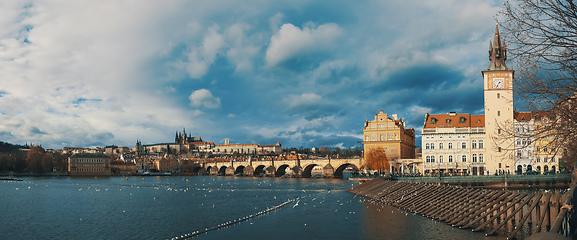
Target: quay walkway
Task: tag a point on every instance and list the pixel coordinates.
(502, 181)
(515, 214)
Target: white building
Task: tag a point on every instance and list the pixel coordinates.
(454, 144)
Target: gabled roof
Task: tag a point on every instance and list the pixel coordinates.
(527, 116)
(454, 120)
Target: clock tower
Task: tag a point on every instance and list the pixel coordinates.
(498, 88)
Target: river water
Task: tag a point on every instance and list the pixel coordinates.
(167, 207)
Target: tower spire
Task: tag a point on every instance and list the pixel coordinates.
(497, 52)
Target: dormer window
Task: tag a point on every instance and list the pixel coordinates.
(448, 120)
(433, 120)
(462, 120)
(537, 117)
(523, 119)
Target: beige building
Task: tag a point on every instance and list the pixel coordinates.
(247, 149)
(390, 133)
(499, 110)
(89, 164)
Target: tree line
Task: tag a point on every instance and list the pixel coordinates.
(35, 159)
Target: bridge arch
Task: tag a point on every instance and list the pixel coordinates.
(282, 170)
(222, 171)
(345, 167)
(239, 171)
(308, 170)
(259, 171)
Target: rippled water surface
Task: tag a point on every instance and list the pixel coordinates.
(167, 207)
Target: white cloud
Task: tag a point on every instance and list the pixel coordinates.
(291, 41)
(201, 57)
(305, 100)
(203, 98)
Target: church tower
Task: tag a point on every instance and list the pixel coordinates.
(498, 89)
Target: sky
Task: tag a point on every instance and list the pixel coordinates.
(303, 73)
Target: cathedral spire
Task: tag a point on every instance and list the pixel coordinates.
(497, 52)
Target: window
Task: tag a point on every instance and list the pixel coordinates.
(427, 146)
(538, 159)
(432, 145)
(433, 120)
(498, 113)
(440, 145)
(448, 120)
(462, 120)
(450, 158)
(474, 144)
(518, 153)
(498, 95)
(481, 144)
(450, 145)
(480, 157)
(441, 159)
(433, 159)
(464, 158)
(474, 157)
(463, 145)
(538, 149)
(499, 131)
(499, 165)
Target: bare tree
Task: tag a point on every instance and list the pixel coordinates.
(543, 44)
(376, 159)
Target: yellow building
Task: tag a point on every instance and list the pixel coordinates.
(546, 156)
(389, 133)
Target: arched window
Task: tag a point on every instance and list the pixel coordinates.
(464, 145)
(481, 144)
(450, 145)
(464, 158)
(480, 157)
(538, 159)
(474, 144)
(428, 159)
(427, 146)
(433, 159)
(474, 157)
(441, 159)
(432, 145)
(440, 145)
(450, 158)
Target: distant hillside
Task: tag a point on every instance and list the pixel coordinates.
(8, 147)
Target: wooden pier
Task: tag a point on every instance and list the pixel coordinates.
(510, 213)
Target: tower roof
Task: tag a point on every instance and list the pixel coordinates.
(497, 52)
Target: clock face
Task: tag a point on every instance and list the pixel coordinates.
(498, 83)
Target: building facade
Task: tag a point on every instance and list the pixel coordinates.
(454, 144)
(89, 164)
(498, 142)
(390, 134)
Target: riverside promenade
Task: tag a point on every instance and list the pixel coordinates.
(556, 181)
(512, 213)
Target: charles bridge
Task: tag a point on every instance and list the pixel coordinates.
(331, 168)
